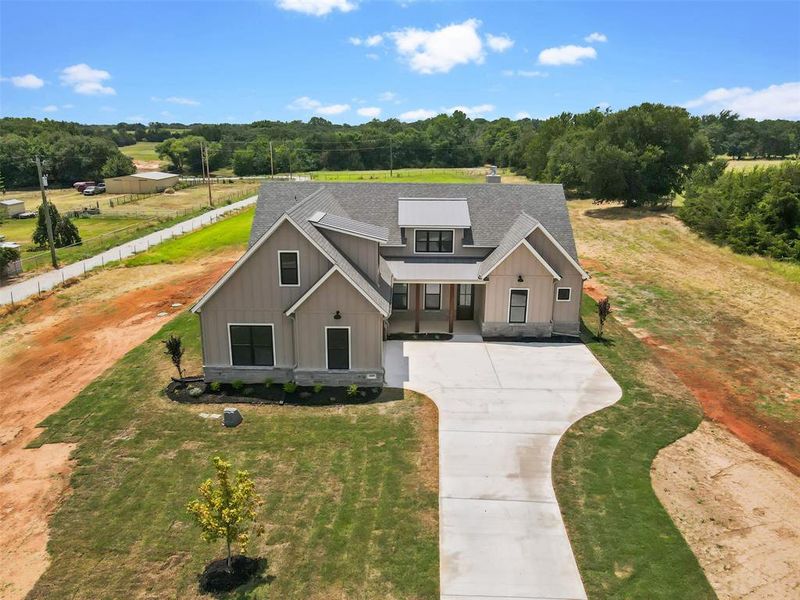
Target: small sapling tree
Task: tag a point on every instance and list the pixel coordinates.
(603, 310)
(226, 508)
(173, 347)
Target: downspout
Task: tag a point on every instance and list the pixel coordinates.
(294, 342)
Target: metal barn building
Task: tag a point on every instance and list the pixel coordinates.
(141, 183)
(11, 207)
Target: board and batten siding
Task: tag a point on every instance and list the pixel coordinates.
(566, 315)
(425, 315)
(317, 312)
(362, 252)
(252, 295)
(458, 246)
(539, 283)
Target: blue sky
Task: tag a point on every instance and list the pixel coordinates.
(350, 60)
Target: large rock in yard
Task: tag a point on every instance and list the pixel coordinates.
(231, 417)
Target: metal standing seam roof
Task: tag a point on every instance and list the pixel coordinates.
(349, 226)
(493, 208)
(155, 175)
(433, 212)
(519, 230)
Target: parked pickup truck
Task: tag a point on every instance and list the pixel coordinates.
(93, 190)
(82, 185)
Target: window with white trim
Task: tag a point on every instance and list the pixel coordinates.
(252, 345)
(289, 263)
(337, 347)
(563, 294)
(433, 240)
(433, 296)
(518, 306)
(400, 296)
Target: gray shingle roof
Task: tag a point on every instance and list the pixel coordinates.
(519, 230)
(322, 200)
(493, 208)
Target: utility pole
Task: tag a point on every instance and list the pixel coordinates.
(271, 162)
(291, 147)
(204, 151)
(46, 206)
(391, 159)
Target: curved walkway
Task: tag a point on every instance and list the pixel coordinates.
(50, 279)
(502, 409)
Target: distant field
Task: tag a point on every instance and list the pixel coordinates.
(747, 164)
(141, 151)
(457, 175)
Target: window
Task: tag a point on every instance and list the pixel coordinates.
(400, 296)
(337, 347)
(289, 264)
(433, 296)
(563, 294)
(252, 345)
(518, 306)
(433, 240)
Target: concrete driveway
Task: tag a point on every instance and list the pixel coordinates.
(502, 409)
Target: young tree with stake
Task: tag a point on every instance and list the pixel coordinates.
(603, 310)
(174, 349)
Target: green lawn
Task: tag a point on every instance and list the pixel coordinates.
(624, 541)
(459, 175)
(141, 151)
(347, 513)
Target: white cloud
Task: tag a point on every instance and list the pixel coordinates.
(596, 37)
(181, 100)
(523, 73)
(499, 43)
(50, 108)
(522, 115)
(373, 112)
(472, 111)
(440, 50)
(417, 115)
(83, 79)
(332, 109)
(369, 42)
(28, 82)
(317, 8)
(387, 96)
(781, 101)
(566, 55)
(372, 56)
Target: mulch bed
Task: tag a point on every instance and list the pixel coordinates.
(419, 337)
(258, 393)
(217, 578)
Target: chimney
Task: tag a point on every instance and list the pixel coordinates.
(492, 176)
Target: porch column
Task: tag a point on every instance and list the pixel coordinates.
(452, 315)
(417, 303)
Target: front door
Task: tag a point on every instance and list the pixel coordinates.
(464, 311)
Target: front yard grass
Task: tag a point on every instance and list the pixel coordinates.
(624, 541)
(351, 507)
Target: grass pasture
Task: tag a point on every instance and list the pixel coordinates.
(747, 164)
(350, 511)
(141, 151)
(456, 175)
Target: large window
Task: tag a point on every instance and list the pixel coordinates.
(400, 296)
(431, 240)
(518, 306)
(252, 345)
(433, 296)
(289, 265)
(337, 347)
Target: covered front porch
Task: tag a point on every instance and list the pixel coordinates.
(435, 308)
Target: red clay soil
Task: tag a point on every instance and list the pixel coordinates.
(53, 351)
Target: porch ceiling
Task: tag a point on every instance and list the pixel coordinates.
(413, 271)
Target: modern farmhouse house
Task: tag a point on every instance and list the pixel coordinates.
(333, 268)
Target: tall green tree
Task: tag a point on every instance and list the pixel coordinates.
(65, 233)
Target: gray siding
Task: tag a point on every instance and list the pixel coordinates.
(566, 315)
(536, 280)
(458, 248)
(316, 313)
(362, 252)
(425, 315)
(252, 295)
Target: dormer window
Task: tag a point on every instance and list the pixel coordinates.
(433, 241)
(289, 268)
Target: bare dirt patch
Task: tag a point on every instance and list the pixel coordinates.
(737, 510)
(50, 351)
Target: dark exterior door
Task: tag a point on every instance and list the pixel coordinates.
(464, 310)
(338, 347)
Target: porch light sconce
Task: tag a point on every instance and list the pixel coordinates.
(519, 279)
(337, 316)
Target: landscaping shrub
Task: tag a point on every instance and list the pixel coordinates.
(352, 391)
(290, 387)
(174, 349)
(238, 385)
(317, 388)
(268, 382)
(215, 386)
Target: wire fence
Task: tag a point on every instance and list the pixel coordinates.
(99, 243)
